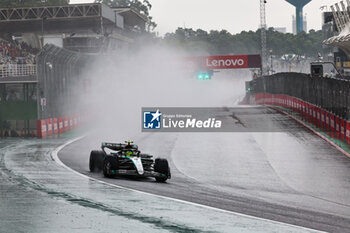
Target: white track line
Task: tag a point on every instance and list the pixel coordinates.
(55, 157)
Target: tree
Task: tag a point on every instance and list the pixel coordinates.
(223, 42)
(28, 3)
(143, 7)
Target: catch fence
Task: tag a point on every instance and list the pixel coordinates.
(330, 94)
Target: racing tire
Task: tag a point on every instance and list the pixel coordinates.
(96, 160)
(109, 164)
(162, 166)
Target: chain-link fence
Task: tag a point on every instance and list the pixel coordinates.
(60, 81)
(328, 93)
(16, 70)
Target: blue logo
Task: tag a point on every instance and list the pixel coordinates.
(152, 120)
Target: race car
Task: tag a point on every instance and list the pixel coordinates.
(126, 159)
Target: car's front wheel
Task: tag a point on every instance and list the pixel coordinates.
(162, 166)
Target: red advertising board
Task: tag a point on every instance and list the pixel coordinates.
(225, 62)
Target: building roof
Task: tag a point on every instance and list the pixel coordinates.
(55, 18)
(132, 17)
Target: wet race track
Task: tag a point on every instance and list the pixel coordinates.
(290, 176)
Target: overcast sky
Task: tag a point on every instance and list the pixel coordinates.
(232, 15)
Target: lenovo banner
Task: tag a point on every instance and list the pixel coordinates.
(222, 62)
(231, 62)
(225, 62)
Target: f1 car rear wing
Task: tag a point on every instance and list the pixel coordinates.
(113, 146)
(117, 146)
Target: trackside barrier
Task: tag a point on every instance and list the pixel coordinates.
(332, 124)
(80, 121)
(71, 122)
(55, 126)
(41, 129)
(282, 101)
(327, 125)
(318, 117)
(49, 127)
(323, 119)
(335, 126)
(307, 112)
(266, 99)
(303, 110)
(300, 107)
(75, 122)
(60, 125)
(294, 104)
(314, 115)
(65, 124)
(311, 114)
(342, 130)
(347, 133)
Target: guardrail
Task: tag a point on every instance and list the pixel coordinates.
(330, 94)
(16, 70)
(335, 126)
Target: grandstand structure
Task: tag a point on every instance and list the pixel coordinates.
(341, 26)
(79, 27)
(28, 88)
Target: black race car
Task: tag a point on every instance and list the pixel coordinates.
(126, 159)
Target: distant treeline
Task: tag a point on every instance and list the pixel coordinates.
(223, 42)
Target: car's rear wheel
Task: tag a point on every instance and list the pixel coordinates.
(109, 165)
(162, 166)
(96, 160)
